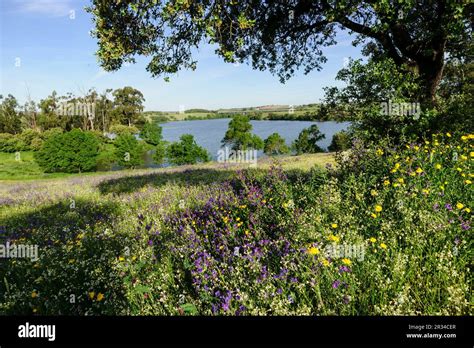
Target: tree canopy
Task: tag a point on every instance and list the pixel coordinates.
(282, 36)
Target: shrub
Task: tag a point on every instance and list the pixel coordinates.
(186, 151)
(120, 129)
(239, 137)
(28, 135)
(151, 133)
(50, 132)
(307, 140)
(36, 144)
(160, 153)
(275, 145)
(11, 143)
(128, 151)
(340, 141)
(71, 152)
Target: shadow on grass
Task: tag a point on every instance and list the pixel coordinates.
(187, 177)
(74, 257)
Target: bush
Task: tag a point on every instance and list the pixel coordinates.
(186, 151)
(340, 141)
(120, 129)
(51, 132)
(239, 137)
(128, 151)
(307, 140)
(160, 153)
(28, 135)
(151, 133)
(11, 143)
(275, 145)
(36, 144)
(71, 152)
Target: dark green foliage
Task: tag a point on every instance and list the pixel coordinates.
(159, 154)
(128, 151)
(151, 133)
(239, 135)
(307, 140)
(71, 152)
(340, 141)
(275, 145)
(186, 151)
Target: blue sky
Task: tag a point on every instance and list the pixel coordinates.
(46, 45)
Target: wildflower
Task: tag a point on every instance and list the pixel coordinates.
(425, 191)
(416, 148)
(373, 193)
(379, 152)
(471, 154)
(334, 238)
(91, 295)
(401, 181)
(325, 262)
(313, 251)
(467, 210)
(459, 205)
(464, 138)
(448, 206)
(468, 182)
(378, 208)
(419, 170)
(386, 182)
(383, 245)
(448, 135)
(100, 296)
(438, 166)
(121, 258)
(459, 169)
(373, 215)
(372, 240)
(334, 225)
(346, 261)
(34, 294)
(464, 157)
(336, 284)
(397, 165)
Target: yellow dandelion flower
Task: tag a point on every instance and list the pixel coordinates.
(372, 239)
(334, 238)
(346, 261)
(416, 148)
(325, 262)
(401, 181)
(313, 251)
(34, 294)
(373, 215)
(386, 182)
(459, 205)
(438, 166)
(378, 208)
(467, 210)
(419, 170)
(334, 225)
(464, 138)
(379, 152)
(383, 245)
(448, 135)
(91, 295)
(464, 158)
(471, 154)
(100, 296)
(425, 191)
(459, 169)
(468, 182)
(121, 258)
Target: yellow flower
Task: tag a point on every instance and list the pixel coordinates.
(237, 219)
(372, 240)
(247, 232)
(397, 165)
(464, 158)
(100, 296)
(383, 245)
(468, 182)
(346, 261)
(325, 262)
(441, 187)
(401, 181)
(419, 170)
(459, 169)
(264, 201)
(464, 138)
(34, 294)
(134, 258)
(467, 210)
(91, 295)
(373, 215)
(416, 148)
(459, 205)
(313, 251)
(334, 238)
(378, 208)
(471, 154)
(438, 166)
(334, 225)
(425, 191)
(386, 182)
(448, 135)
(379, 152)
(412, 174)
(121, 258)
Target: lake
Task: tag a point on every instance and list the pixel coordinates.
(209, 133)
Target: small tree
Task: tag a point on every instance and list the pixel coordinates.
(128, 151)
(239, 135)
(160, 153)
(340, 141)
(275, 145)
(151, 133)
(307, 140)
(186, 151)
(71, 152)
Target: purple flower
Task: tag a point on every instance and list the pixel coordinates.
(336, 284)
(465, 226)
(435, 207)
(448, 206)
(150, 242)
(344, 269)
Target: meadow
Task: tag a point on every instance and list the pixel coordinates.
(217, 239)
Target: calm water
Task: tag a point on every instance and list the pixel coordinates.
(209, 133)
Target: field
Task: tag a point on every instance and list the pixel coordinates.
(383, 231)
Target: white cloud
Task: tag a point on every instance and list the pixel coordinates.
(51, 8)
